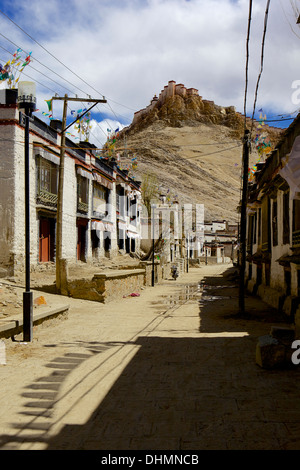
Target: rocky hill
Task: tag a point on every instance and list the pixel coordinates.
(192, 148)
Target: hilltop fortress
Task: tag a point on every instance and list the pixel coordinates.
(177, 103)
(169, 91)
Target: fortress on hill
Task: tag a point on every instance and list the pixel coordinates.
(169, 91)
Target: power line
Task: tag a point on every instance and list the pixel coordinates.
(45, 86)
(213, 153)
(54, 71)
(48, 68)
(262, 60)
(289, 20)
(62, 63)
(36, 70)
(247, 58)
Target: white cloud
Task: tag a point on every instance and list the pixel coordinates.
(128, 50)
(99, 131)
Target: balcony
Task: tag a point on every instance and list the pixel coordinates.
(296, 239)
(82, 207)
(45, 198)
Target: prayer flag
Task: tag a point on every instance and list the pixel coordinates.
(49, 103)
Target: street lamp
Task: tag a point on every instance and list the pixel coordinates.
(153, 247)
(187, 252)
(27, 103)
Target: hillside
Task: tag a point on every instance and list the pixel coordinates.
(193, 148)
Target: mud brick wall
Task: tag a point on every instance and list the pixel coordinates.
(111, 285)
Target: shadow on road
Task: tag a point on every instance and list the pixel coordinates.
(195, 393)
(181, 393)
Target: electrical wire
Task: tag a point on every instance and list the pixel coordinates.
(97, 124)
(261, 62)
(289, 20)
(62, 63)
(213, 153)
(247, 60)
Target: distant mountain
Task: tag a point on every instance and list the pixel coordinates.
(192, 147)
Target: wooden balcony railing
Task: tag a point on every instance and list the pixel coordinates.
(46, 198)
(296, 239)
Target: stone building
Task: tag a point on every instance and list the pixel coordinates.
(169, 91)
(93, 226)
(273, 226)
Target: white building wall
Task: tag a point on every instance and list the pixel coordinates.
(12, 200)
(69, 231)
(7, 200)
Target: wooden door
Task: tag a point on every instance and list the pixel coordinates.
(81, 240)
(44, 245)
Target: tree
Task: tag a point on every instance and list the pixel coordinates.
(149, 190)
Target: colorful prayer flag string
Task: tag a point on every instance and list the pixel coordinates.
(13, 67)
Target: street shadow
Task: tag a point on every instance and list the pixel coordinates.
(195, 393)
(43, 394)
(189, 394)
(176, 393)
(219, 306)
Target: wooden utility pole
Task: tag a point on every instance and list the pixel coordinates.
(243, 226)
(61, 270)
(60, 201)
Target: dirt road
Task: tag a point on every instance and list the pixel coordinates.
(173, 369)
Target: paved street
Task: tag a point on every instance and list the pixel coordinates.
(173, 369)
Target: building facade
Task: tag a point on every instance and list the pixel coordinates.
(273, 226)
(93, 226)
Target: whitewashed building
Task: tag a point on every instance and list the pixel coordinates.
(93, 225)
(273, 226)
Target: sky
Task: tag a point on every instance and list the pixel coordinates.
(128, 50)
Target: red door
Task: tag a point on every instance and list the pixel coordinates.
(44, 240)
(81, 239)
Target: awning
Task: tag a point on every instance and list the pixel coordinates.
(41, 152)
(133, 234)
(258, 258)
(103, 181)
(82, 172)
(102, 226)
(122, 225)
(286, 260)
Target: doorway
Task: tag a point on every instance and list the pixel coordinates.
(81, 239)
(46, 239)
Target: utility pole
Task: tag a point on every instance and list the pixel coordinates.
(187, 252)
(243, 226)
(153, 247)
(60, 263)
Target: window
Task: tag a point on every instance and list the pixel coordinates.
(47, 185)
(250, 233)
(133, 211)
(99, 200)
(265, 230)
(82, 194)
(275, 223)
(121, 201)
(259, 227)
(296, 222)
(286, 218)
(48, 176)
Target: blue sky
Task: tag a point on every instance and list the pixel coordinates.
(128, 50)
